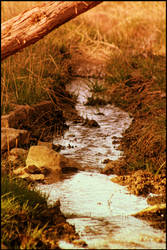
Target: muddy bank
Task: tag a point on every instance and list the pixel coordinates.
(41, 122)
(143, 167)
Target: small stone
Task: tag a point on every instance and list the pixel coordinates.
(57, 147)
(45, 171)
(80, 243)
(19, 171)
(12, 158)
(106, 161)
(32, 169)
(37, 177)
(91, 123)
(151, 211)
(18, 152)
(47, 144)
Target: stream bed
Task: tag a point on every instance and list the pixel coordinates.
(99, 209)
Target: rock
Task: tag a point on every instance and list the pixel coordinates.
(153, 200)
(19, 152)
(69, 165)
(151, 211)
(17, 157)
(106, 161)
(114, 167)
(41, 156)
(80, 243)
(47, 144)
(11, 137)
(45, 171)
(116, 142)
(45, 164)
(33, 177)
(91, 123)
(57, 147)
(24, 173)
(13, 158)
(25, 116)
(68, 169)
(32, 169)
(19, 171)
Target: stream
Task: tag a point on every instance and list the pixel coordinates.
(99, 209)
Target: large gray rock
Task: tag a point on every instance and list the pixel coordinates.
(44, 164)
(42, 156)
(50, 163)
(11, 137)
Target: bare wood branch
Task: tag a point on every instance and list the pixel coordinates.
(32, 25)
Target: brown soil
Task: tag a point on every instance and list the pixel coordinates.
(142, 183)
(57, 229)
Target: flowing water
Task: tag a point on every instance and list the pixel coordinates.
(99, 209)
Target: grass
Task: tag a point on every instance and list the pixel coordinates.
(18, 187)
(97, 89)
(19, 209)
(138, 85)
(18, 231)
(27, 82)
(25, 76)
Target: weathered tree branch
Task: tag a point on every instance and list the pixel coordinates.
(32, 25)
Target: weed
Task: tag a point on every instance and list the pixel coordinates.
(18, 189)
(95, 101)
(96, 87)
(19, 208)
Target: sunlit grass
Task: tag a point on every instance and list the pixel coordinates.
(19, 208)
(112, 30)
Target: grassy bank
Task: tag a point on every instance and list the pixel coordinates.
(143, 95)
(19, 207)
(26, 220)
(137, 77)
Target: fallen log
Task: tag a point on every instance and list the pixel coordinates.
(32, 25)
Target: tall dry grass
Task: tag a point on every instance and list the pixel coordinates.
(110, 29)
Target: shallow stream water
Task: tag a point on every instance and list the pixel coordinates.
(99, 209)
